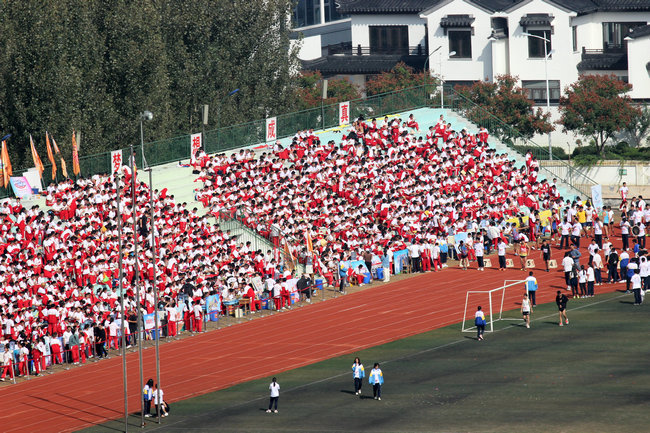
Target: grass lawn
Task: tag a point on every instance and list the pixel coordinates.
(590, 376)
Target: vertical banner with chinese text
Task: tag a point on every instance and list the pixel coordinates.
(344, 113)
(116, 161)
(271, 129)
(196, 141)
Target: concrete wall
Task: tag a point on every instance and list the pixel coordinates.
(608, 173)
(479, 67)
(639, 75)
(361, 33)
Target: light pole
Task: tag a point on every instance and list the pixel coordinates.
(426, 62)
(442, 80)
(155, 289)
(145, 115)
(123, 322)
(548, 94)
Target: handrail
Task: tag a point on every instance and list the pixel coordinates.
(538, 150)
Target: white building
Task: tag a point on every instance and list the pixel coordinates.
(492, 37)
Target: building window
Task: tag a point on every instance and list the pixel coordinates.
(331, 11)
(536, 90)
(536, 45)
(460, 41)
(614, 35)
(306, 13)
(389, 39)
(574, 38)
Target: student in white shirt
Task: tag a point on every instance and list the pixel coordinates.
(591, 279)
(526, 309)
(636, 286)
(274, 387)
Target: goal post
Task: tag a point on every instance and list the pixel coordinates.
(495, 299)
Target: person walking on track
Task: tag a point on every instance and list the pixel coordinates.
(274, 387)
(376, 379)
(358, 373)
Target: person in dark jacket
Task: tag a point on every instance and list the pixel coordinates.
(100, 339)
(304, 286)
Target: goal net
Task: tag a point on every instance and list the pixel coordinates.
(492, 303)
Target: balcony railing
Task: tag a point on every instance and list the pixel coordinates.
(346, 48)
(608, 48)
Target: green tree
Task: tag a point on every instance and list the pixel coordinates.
(596, 106)
(502, 99)
(94, 66)
(638, 130)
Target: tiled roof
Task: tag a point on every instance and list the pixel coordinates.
(384, 6)
(416, 6)
(536, 20)
(456, 21)
(371, 64)
(603, 62)
(589, 6)
(638, 32)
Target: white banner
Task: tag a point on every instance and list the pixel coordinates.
(271, 129)
(344, 113)
(196, 141)
(597, 197)
(116, 161)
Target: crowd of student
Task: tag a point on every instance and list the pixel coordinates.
(382, 188)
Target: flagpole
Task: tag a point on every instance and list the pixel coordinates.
(121, 276)
(135, 278)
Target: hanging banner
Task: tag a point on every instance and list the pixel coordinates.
(116, 161)
(213, 306)
(21, 186)
(271, 129)
(597, 197)
(196, 141)
(344, 113)
(149, 321)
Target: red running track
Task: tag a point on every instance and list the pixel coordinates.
(93, 393)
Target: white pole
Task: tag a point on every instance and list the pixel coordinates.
(465, 312)
(548, 99)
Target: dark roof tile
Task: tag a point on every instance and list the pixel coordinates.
(603, 62)
(456, 21)
(384, 6)
(371, 64)
(638, 32)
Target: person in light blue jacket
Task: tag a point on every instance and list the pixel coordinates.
(376, 379)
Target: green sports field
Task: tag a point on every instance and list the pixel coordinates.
(589, 376)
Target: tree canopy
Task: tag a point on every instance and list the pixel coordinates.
(596, 106)
(94, 66)
(504, 100)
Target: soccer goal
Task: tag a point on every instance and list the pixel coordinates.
(492, 299)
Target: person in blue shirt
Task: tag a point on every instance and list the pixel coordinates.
(376, 379)
(343, 276)
(358, 373)
(385, 264)
(531, 287)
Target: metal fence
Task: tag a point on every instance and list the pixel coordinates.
(246, 134)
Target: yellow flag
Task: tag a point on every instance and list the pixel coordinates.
(50, 155)
(37, 159)
(6, 165)
(75, 156)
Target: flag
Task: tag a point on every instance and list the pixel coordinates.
(37, 159)
(288, 255)
(6, 165)
(310, 246)
(50, 156)
(75, 156)
(64, 169)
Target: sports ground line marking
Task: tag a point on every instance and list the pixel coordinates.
(431, 349)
